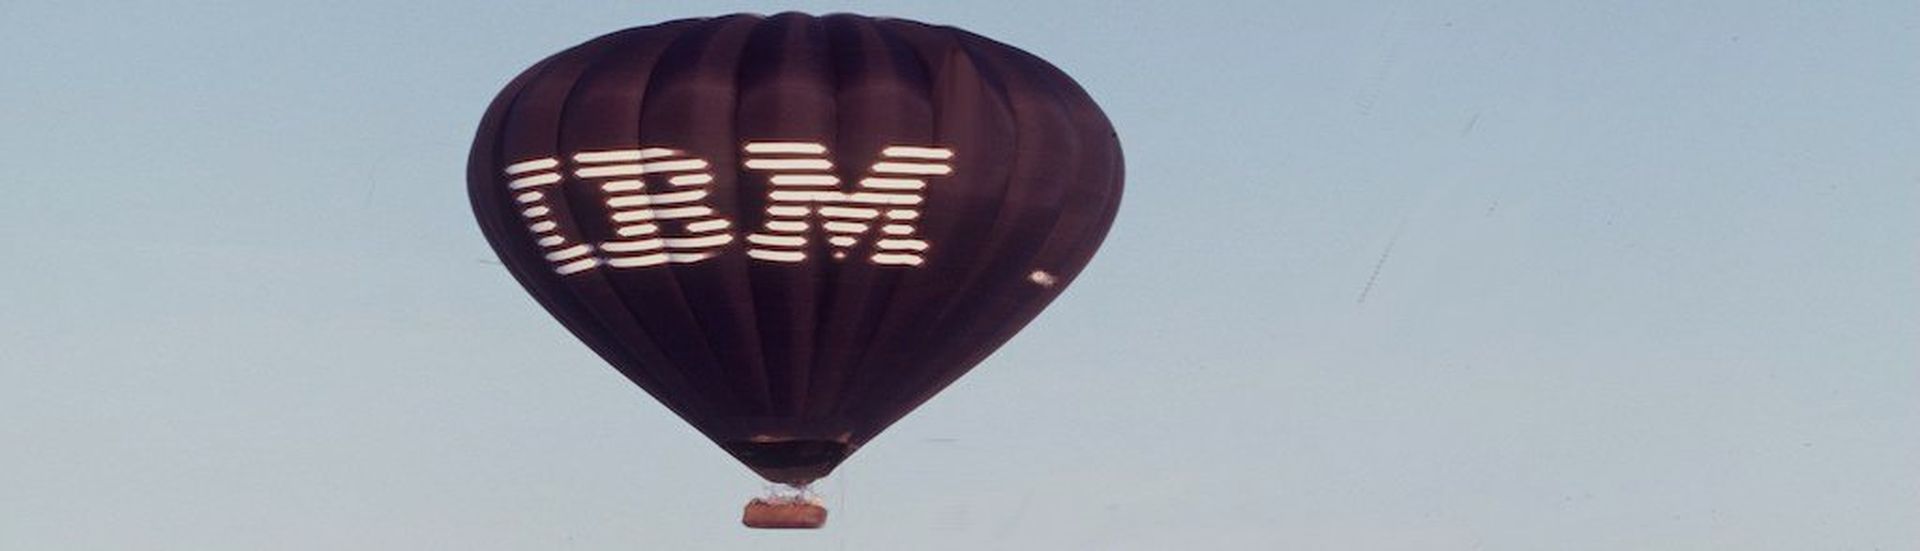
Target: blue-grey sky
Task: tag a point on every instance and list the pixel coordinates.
(1389, 275)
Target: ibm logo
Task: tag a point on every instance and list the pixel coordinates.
(656, 198)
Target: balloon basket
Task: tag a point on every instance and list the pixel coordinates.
(799, 510)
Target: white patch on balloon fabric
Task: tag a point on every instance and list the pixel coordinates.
(1042, 278)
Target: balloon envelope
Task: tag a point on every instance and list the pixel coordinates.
(792, 230)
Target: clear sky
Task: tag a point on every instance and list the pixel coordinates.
(1389, 275)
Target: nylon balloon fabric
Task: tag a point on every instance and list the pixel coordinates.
(792, 230)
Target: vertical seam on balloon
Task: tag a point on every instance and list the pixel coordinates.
(856, 368)
(822, 275)
(1046, 80)
(828, 292)
(756, 364)
(497, 156)
(710, 28)
(598, 276)
(1054, 83)
(924, 385)
(490, 190)
(718, 369)
(489, 186)
(998, 81)
(604, 279)
(856, 390)
(602, 276)
(744, 267)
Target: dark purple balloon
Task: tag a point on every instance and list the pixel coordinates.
(792, 230)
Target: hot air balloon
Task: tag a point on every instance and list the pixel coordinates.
(791, 230)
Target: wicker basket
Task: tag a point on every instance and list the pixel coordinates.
(784, 513)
